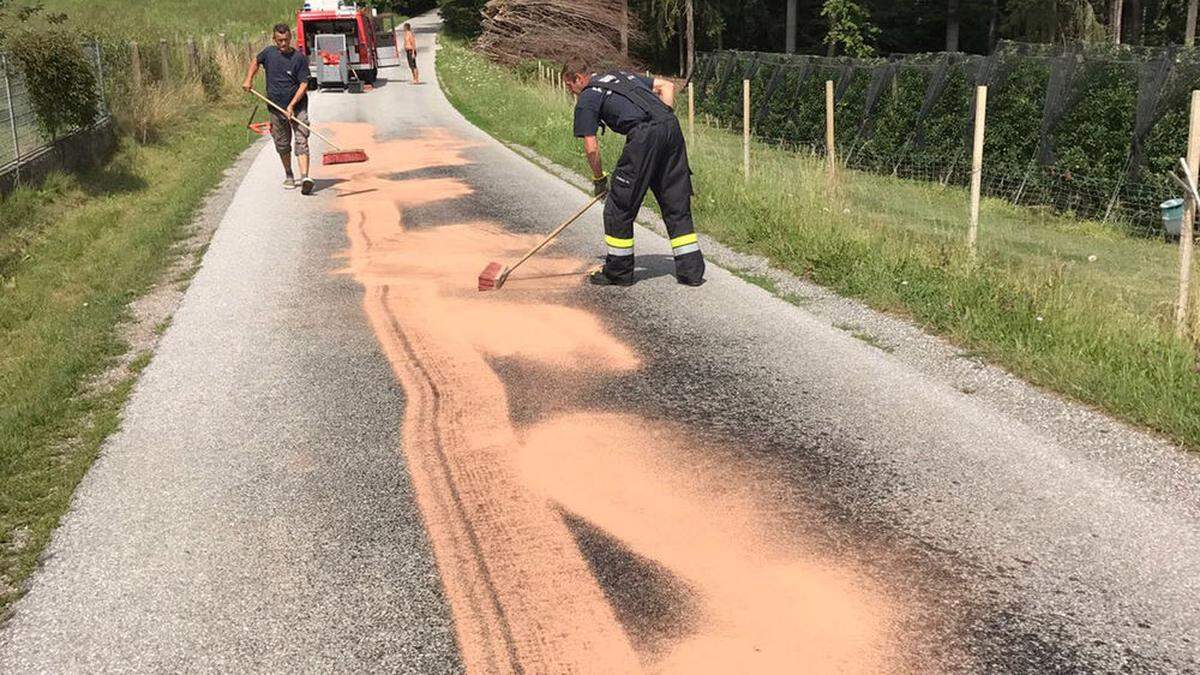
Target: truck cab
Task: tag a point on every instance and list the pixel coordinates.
(337, 17)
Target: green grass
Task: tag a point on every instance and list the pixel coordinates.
(1096, 330)
(859, 334)
(154, 18)
(73, 254)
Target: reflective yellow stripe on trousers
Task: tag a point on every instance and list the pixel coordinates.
(618, 246)
(684, 244)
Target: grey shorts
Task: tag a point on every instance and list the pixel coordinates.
(284, 133)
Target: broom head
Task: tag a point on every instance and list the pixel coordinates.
(493, 277)
(344, 157)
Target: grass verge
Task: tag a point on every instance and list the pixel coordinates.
(1073, 306)
(185, 17)
(73, 254)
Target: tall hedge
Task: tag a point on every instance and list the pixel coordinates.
(1093, 131)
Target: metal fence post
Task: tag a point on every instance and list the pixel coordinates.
(100, 75)
(12, 118)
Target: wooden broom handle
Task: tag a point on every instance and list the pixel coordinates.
(302, 124)
(558, 231)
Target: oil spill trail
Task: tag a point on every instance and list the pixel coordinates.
(496, 498)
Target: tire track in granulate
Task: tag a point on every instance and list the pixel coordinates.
(493, 497)
(459, 514)
(522, 595)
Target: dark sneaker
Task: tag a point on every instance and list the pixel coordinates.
(690, 282)
(306, 186)
(289, 183)
(599, 278)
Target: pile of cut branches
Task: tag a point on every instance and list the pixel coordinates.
(523, 30)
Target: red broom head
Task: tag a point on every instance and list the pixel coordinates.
(344, 157)
(489, 279)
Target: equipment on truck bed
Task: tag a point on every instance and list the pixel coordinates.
(332, 65)
(369, 47)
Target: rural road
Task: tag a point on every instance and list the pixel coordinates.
(344, 458)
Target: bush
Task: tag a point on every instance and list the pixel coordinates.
(59, 76)
(463, 17)
(1092, 166)
(413, 7)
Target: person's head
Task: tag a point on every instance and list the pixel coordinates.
(282, 35)
(408, 27)
(576, 74)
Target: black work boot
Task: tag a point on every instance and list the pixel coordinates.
(599, 278)
(689, 269)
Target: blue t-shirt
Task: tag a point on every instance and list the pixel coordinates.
(285, 74)
(596, 106)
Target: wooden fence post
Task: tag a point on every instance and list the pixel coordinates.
(977, 166)
(746, 128)
(135, 65)
(1188, 225)
(830, 146)
(164, 55)
(691, 114)
(193, 58)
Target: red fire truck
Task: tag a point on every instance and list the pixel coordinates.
(369, 46)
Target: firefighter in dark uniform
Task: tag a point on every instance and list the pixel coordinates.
(655, 158)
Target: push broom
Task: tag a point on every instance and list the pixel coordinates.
(495, 274)
(338, 156)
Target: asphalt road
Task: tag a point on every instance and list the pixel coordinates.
(343, 458)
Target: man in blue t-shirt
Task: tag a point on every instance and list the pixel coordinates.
(654, 158)
(287, 87)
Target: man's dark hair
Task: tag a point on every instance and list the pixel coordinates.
(282, 29)
(576, 65)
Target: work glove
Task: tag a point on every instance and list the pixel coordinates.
(600, 185)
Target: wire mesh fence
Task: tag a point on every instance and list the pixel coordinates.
(1088, 131)
(21, 139)
(145, 87)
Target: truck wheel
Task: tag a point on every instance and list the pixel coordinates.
(369, 76)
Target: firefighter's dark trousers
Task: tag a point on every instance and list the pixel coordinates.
(655, 158)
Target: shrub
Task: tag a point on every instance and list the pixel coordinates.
(59, 76)
(1092, 166)
(463, 17)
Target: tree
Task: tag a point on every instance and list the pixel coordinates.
(1132, 29)
(1189, 35)
(993, 25)
(691, 39)
(1054, 21)
(625, 28)
(849, 26)
(463, 17)
(790, 42)
(952, 22)
(1115, 8)
(665, 21)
